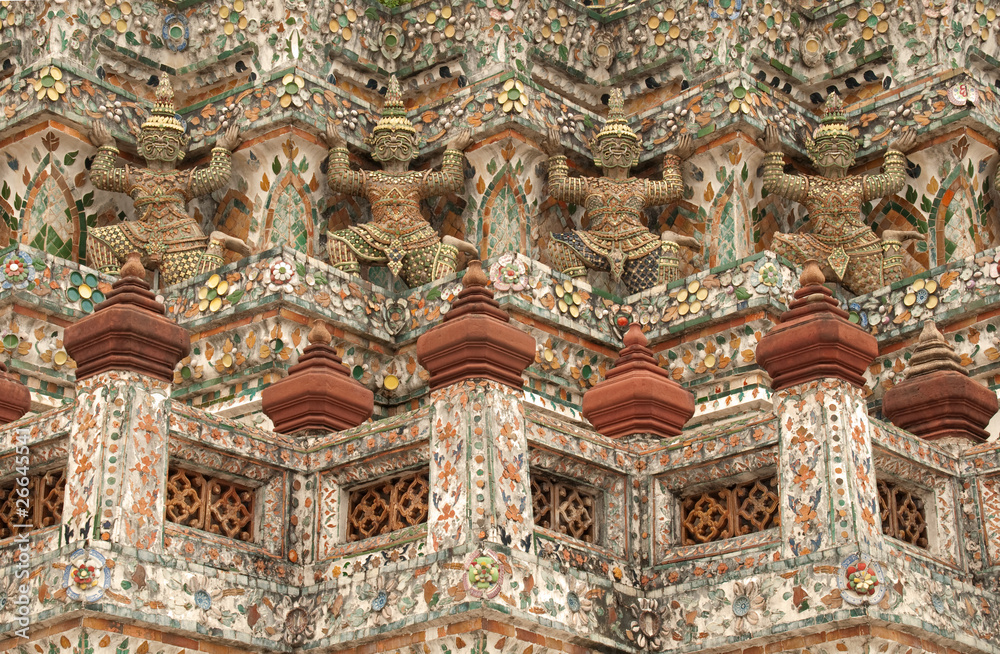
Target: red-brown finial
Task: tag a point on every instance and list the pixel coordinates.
(637, 396)
(815, 339)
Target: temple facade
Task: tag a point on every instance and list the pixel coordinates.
(499, 326)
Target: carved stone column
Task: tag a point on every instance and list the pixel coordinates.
(816, 359)
(480, 489)
(126, 352)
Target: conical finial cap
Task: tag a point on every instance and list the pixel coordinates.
(933, 353)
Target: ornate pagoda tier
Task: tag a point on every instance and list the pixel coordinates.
(294, 163)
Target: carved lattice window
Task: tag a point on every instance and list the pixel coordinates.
(903, 514)
(564, 506)
(44, 502)
(727, 512)
(388, 504)
(212, 504)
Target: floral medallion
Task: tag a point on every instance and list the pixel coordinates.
(87, 576)
(281, 276)
(485, 575)
(509, 274)
(649, 624)
(18, 271)
(861, 582)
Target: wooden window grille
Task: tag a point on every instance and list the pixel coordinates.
(728, 512)
(388, 504)
(564, 506)
(44, 502)
(212, 504)
(903, 514)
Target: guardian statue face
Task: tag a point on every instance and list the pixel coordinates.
(157, 144)
(393, 145)
(835, 152)
(616, 152)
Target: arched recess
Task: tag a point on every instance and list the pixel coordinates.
(730, 226)
(504, 212)
(233, 217)
(894, 212)
(50, 220)
(8, 224)
(989, 221)
(954, 221)
(290, 216)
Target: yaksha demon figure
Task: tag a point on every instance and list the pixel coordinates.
(163, 233)
(398, 235)
(617, 242)
(838, 236)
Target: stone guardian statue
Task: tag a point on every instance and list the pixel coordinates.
(398, 235)
(617, 241)
(167, 238)
(837, 234)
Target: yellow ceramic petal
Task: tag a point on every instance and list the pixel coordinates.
(53, 94)
(285, 100)
(59, 87)
(287, 78)
(930, 286)
(910, 299)
(55, 73)
(917, 285)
